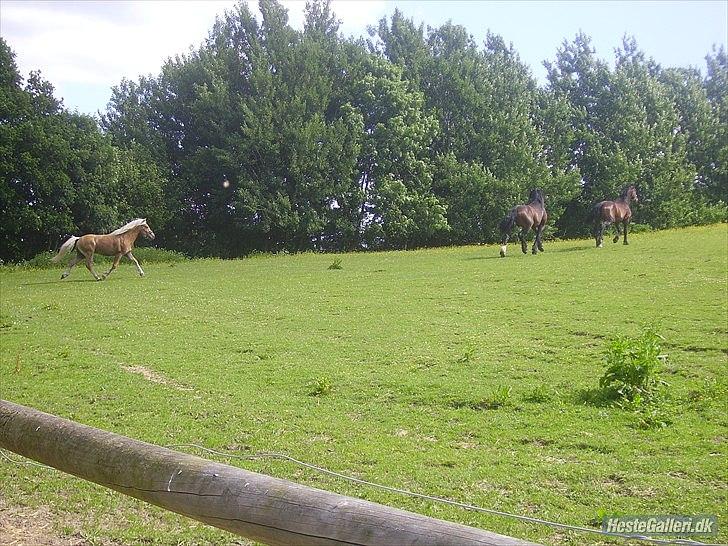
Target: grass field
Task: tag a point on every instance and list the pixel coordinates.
(449, 372)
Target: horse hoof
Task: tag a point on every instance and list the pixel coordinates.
(63, 276)
(626, 243)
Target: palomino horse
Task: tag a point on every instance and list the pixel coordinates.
(117, 244)
(605, 213)
(531, 215)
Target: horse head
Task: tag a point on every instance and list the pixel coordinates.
(146, 230)
(536, 195)
(632, 194)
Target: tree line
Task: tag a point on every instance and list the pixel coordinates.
(267, 138)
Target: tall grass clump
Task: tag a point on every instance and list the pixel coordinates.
(632, 376)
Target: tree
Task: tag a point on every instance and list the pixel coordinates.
(59, 173)
(625, 130)
(714, 173)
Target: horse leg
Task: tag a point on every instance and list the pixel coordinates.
(136, 263)
(534, 248)
(539, 235)
(504, 245)
(600, 237)
(76, 258)
(616, 228)
(114, 265)
(90, 266)
(626, 223)
(522, 237)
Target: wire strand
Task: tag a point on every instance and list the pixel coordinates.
(528, 519)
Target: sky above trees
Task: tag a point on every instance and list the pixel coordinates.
(86, 48)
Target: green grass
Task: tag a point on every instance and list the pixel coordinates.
(449, 372)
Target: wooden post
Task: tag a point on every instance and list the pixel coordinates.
(271, 510)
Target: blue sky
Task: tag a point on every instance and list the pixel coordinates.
(85, 47)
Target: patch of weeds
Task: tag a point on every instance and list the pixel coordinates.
(540, 394)
(633, 368)
(320, 387)
(651, 416)
(702, 396)
(499, 398)
(467, 356)
(632, 379)
(336, 264)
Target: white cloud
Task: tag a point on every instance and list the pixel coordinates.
(97, 43)
(106, 42)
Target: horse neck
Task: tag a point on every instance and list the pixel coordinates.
(130, 236)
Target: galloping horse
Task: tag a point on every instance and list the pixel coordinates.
(532, 215)
(118, 243)
(605, 213)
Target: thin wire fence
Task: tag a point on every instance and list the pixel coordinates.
(471, 507)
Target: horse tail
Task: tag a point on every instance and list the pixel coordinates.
(507, 224)
(593, 212)
(70, 244)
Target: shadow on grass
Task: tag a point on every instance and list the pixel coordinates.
(572, 248)
(596, 397)
(59, 281)
(483, 258)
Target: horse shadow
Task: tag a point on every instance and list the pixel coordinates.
(482, 258)
(59, 281)
(572, 248)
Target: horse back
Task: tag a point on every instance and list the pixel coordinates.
(107, 245)
(613, 211)
(530, 215)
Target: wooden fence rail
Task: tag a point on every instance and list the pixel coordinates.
(256, 506)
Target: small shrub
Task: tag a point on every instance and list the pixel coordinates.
(320, 387)
(336, 264)
(633, 368)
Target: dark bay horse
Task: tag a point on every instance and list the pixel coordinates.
(615, 212)
(528, 216)
(118, 243)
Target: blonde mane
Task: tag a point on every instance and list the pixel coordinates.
(131, 225)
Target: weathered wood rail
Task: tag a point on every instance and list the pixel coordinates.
(270, 510)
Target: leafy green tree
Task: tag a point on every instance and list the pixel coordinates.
(625, 130)
(59, 173)
(714, 171)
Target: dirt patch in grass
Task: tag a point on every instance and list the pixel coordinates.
(155, 377)
(32, 527)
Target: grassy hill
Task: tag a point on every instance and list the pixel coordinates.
(450, 372)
